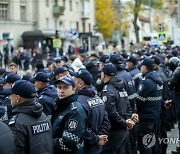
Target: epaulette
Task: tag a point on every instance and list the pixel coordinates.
(13, 120)
(73, 107)
(105, 88)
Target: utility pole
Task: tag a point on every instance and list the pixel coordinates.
(150, 24)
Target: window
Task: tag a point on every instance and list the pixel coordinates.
(47, 23)
(47, 3)
(4, 11)
(77, 6)
(64, 3)
(23, 13)
(77, 26)
(84, 28)
(70, 5)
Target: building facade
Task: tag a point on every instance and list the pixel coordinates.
(28, 18)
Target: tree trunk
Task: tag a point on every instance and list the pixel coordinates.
(136, 27)
(136, 14)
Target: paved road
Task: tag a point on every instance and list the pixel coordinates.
(172, 134)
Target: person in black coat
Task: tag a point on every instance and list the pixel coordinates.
(7, 145)
(118, 108)
(149, 102)
(46, 93)
(68, 119)
(31, 127)
(97, 122)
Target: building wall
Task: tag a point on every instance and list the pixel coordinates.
(39, 16)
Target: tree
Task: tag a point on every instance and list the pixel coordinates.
(105, 18)
(139, 6)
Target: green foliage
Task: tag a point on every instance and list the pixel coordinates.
(105, 17)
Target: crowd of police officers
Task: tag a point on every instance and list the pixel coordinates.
(118, 103)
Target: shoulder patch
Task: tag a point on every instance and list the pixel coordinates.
(104, 98)
(105, 88)
(73, 107)
(72, 125)
(13, 120)
(140, 87)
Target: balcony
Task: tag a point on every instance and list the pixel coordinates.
(85, 15)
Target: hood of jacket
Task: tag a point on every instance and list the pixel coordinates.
(31, 108)
(87, 91)
(154, 76)
(50, 90)
(117, 83)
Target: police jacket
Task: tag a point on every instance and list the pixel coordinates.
(47, 98)
(97, 122)
(129, 86)
(68, 126)
(92, 67)
(116, 103)
(175, 80)
(32, 129)
(136, 75)
(149, 96)
(7, 145)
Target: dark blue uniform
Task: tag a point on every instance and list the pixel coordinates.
(129, 86)
(136, 75)
(31, 128)
(149, 101)
(47, 98)
(7, 145)
(97, 122)
(68, 126)
(118, 109)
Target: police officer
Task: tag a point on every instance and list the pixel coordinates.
(128, 81)
(104, 59)
(31, 127)
(97, 122)
(148, 107)
(59, 72)
(92, 66)
(46, 94)
(7, 145)
(175, 84)
(133, 70)
(166, 101)
(9, 79)
(118, 109)
(68, 119)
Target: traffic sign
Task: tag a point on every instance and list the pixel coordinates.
(57, 43)
(162, 37)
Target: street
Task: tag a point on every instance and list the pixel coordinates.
(172, 134)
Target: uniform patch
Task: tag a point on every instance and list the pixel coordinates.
(131, 83)
(40, 128)
(95, 102)
(13, 120)
(72, 124)
(141, 87)
(104, 98)
(123, 94)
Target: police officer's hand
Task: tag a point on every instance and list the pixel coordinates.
(167, 104)
(102, 139)
(135, 117)
(129, 123)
